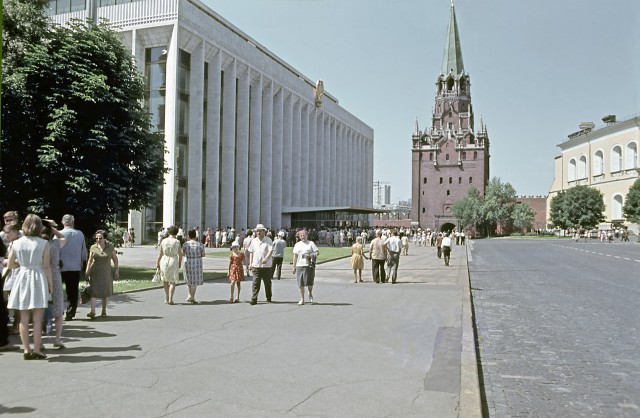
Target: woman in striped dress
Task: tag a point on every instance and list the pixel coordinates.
(193, 251)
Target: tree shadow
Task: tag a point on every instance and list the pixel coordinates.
(16, 409)
(67, 355)
(122, 318)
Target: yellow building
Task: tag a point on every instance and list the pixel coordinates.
(605, 158)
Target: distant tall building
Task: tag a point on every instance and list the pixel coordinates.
(387, 195)
(448, 158)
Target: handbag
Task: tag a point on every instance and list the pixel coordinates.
(85, 294)
(156, 277)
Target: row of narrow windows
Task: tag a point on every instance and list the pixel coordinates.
(67, 6)
(578, 168)
(424, 180)
(463, 156)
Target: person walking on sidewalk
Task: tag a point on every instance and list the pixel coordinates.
(305, 254)
(260, 252)
(279, 245)
(394, 245)
(446, 249)
(378, 255)
(439, 245)
(74, 260)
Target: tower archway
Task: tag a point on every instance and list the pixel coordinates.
(448, 227)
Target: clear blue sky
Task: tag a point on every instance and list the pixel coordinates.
(538, 68)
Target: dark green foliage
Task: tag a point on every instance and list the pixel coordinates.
(523, 215)
(75, 131)
(631, 208)
(577, 207)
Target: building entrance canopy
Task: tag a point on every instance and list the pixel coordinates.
(330, 217)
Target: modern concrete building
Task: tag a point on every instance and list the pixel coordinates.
(250, 139)
(448, 157)
(604, 158)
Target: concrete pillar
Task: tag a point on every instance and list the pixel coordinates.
(304, 155)
(286, 148)
(326, 163)
(333, 167)
(227, 162)
(194, 177)
(266, 153)
(313, 157)
(212, 130)
(171, 130)
(294, 179)
(279, 146)
(241, 179)
(255, 162)
(320, 179)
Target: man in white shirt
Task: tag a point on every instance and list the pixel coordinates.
(279, 245)
(446, 248)
(305, 253)
(260, 251)
(394, 245)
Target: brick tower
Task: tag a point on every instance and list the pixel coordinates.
(448, 157)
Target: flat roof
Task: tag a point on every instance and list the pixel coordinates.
(333, 209)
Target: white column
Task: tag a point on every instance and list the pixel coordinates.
(313, 157)
(287, 115)
(361, 169)
(227, 156)
(255, 162)
(242, 152)
(279, 146)
(340, 174)
(265, 153)
(333, 158)
(320, 159)
(350, 168)
(304, 155)
(194, 177)
(295, 154)
(212, 171)
(171, 130)
(369, 173)
(326, 163)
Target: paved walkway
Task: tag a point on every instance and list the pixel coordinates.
(361, 350)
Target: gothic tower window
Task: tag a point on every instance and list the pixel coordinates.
(459, 180)
(475, 155)
(448, 192)
(450, 84)
(450, 180)
(440, 180)
(424, 181)
(447, 157)
(470, 180)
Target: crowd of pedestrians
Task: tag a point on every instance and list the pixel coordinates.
(41, 263)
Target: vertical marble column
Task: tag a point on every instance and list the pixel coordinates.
(327, 185)
(361, 170)
(212, 170)
(171, 130)
(279, 146)
(340, 164)
(241, 179)
(286, 148)
(295, 154)
(320, 159)
(333, 169)
(349, 167)
(195, 129)
(313, 156)
(266, 153)
(255, 162)
(227, 163)
(368, 200)
(304, 155)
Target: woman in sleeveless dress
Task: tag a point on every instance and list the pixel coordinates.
(357, 259)
(169, 263)
(55, 310)
(33, 283)
(193, 251)
(99, 271)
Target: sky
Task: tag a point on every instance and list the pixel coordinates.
(538, 68)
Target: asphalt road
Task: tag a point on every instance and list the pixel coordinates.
(558, 327)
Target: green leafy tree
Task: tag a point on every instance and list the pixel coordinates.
(523, 216)
(469, 209)
(499, 200)
(579, 207)
(556, 212)
(631, 208)
(76, 137)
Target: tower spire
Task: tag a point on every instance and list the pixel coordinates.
(452, 61)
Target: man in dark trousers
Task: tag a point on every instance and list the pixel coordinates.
(74, 258)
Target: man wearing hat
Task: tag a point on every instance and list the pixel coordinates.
(74, 258)
(260, 260)
(278, 254)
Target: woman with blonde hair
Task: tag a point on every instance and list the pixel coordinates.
(357, 259)
(169, 263)
(31, 289)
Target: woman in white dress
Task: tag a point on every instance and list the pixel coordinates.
(31, 289)
(169, 263)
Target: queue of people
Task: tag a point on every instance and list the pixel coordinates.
(40, 259)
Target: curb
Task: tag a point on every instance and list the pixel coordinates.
(470, 399)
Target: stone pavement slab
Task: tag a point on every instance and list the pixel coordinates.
(361, 350)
